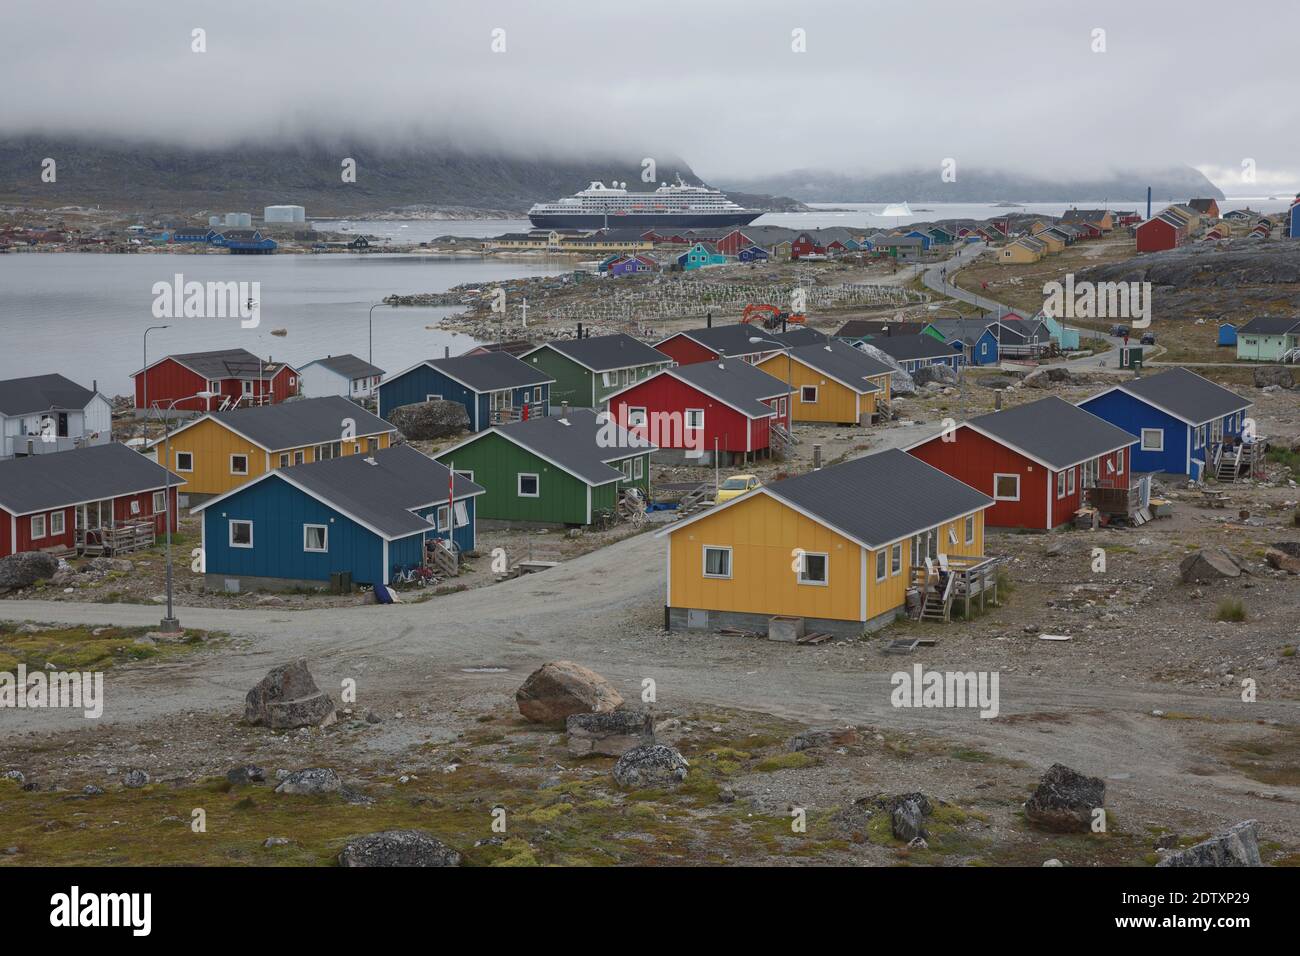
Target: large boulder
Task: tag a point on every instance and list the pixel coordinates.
(907, 813)
(1065, 800)
(560, 688)
(900, 383)
(1210, 564)
(288, 697)
(1285, 556)
(656, 765)
(940, 374)
(1236, 846)
(611, 732)
(25, 568)
(311, 782)
(1047, 376)
(398, 848)
(426, 420)
(1280, 375)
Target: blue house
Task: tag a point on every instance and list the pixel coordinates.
(701, 255)
(927, 240)
(1228, 335)
(1293, 221)
(494, 387)
(754, 254)
(370, 516)
(1181, 418)
(973, 338)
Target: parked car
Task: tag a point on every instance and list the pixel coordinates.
(1149, 338)
(1119, 330)
(735, 486)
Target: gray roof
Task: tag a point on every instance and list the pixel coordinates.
(1186, 395)
(306, 421)
(1270, 325)
(226, 363)
(349, 366)
(732, 338)
(1053, 431)
(880, 498)
(799, 335)
(62, 478)
(574, 447)
(733, 382)
(966, 330)
(606, 352)
(842, 362)
(40, 393)
(908, 347)
(490, 371)
(381, 495)
(854, 328)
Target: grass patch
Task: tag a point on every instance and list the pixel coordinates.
(1231, 610)
(80, 648)
(784, 762)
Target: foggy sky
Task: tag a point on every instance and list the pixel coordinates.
(1012, 84)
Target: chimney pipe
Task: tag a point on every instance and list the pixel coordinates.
(708, 321)
(564, 411)
(997, 400)
(579, 330)
(446, 351)
(817, 457)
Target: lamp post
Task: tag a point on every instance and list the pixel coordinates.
(371, 324)
(169, 624)
(144, 373)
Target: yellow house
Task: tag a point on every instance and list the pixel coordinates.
(831, 381)
(836, 549)
(1054, 242)
(220, 451)
(1025, 249)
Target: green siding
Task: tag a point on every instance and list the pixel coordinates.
(572, 381)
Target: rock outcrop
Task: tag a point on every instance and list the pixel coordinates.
(1236, 846)
(1210, 564)
(1065, 800)
(426, 420)
(287, 697)
(25, 568)
(311, 782)
(398, 848)
(656, 765)
(560, 688)
(611, 733)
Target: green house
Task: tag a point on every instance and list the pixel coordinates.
(552, 470)
(1268, 338)
(587, 370)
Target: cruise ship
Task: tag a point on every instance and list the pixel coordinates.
(677, 205)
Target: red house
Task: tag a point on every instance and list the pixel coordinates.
(1035, 460)
(1158, 234)
(722, 341)
(85, 499)
(804, 245)
(726, 406)
(237, 376)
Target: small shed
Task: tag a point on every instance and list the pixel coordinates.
(1228, 335)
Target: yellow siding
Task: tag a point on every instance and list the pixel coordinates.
(835, 402)
(891, 593)
(212, 444)
(762, 534)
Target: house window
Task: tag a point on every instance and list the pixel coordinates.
(1153, 439)
(372, 445)
(468, 475)
(297, 457)
(528, 486)
(239, 464)
(1072, 478)
(537, 394)
(627, 469)
(1006, 487)
(639, 468)
(57, 526)
(717, 562)
(782, 406)
(315, 537)
(970, 529)
(896, 559)
(461, 513)
(284, 460)
(635, 417)
(135, 506)
(328, 451)
(241, 533)
(159, 502)
(1200, 436)
(812, 569)
(247, 387)
(808, 394)
(38, 526)
(694, 419)
(433, 398)
(1119, 462)
(881, 567)
(184, 461)
(443, 520)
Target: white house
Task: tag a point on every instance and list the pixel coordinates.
(344, 375)
(45, 413)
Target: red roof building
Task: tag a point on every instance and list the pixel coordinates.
(236, 376)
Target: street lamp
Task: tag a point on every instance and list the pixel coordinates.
(169, 624)
(144, 373)
(371, 322)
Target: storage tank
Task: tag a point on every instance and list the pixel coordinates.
(284, 214)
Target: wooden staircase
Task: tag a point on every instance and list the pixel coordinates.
(446, 556)
(1233, 463)
(936, 601)
(696, 500)
(780, 438)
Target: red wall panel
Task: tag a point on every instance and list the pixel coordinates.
(686, 351)
(665, 394)
(974, 459)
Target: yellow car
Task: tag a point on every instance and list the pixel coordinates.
(735, 486)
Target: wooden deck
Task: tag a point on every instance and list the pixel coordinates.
(967, 579)
(117, 539)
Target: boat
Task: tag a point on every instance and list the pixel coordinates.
(675, 205)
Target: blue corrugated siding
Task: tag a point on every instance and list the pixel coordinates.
(419, 383)
(278, 512)
(1124, 411)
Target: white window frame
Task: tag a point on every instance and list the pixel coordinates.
(638, 468)
(190, 456)
(444, 518)
(299, 457)
(537, 394)
(157, 507)
(803, 568)
(635, 412)
(459, 514)
(135, 506)
(246, 387)
(433, 398)
(803, 392)
(687, 426)
(1004, 474)
(1073, 477)
(230, 532)
(284, 459)
(38, 534)
(243, 473)
(970, 529)
(467, 475)
(325, 538)
(1060, 485)
(1157, 445)
(704, 561)
(519, 484)
(62, 522)
(896, 559)
(1119, 462)
(882, 566)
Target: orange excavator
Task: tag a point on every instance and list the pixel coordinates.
(772, 316)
